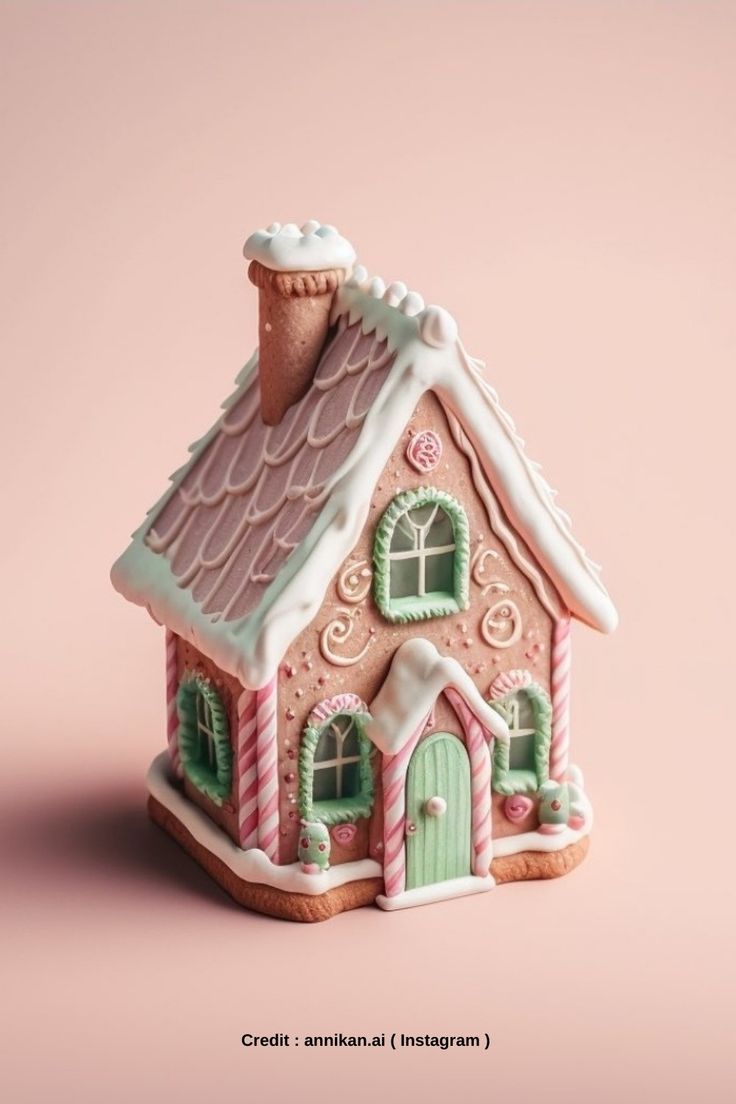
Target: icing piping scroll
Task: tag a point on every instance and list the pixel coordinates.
(478, 572)
(498, 619)
(354, 582)
(336, 632)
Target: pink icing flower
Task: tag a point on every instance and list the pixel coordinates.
(517, 807)
(424, 451)
(344, 834)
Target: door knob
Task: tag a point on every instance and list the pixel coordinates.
(436, 807)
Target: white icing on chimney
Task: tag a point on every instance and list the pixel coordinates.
(297, 272)
(287, 248)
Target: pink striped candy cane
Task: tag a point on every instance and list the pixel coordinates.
(476, 739)
(268, 782)
(247, 770)
(560, 748)
(394, 814)
(172, 715)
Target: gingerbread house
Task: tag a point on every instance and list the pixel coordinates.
(367, 590)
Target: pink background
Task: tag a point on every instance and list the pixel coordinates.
(561, 176)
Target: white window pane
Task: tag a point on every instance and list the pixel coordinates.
(440, 531)
(523, 712)
(350, 779)
(405, 536)
(439, 570)
(404, 578)
(324, 784)
(351, 744)
(326, 746)
(521, 752)
(423, 516)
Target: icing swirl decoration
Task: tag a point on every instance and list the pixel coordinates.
(501, 624)
(424, 451)
(335, 633)
(479, 570)
(354, 582)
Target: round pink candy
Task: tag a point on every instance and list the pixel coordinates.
(424, 451)
(344, 834)
(517, 807)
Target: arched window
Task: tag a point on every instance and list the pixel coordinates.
(335, 770)
(204, 737)
(420, 556)
(522, 765)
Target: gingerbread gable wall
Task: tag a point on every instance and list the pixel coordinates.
(348, 646)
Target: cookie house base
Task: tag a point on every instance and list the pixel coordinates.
(367, 589)
(313, 907)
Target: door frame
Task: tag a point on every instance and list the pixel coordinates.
(395, 767)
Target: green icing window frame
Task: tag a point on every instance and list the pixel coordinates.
(508, 780)
(436, 603)
(214, 783)
(337, 810)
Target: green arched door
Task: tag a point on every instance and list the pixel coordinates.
(438, 811)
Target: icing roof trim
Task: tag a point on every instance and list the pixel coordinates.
(427, 357)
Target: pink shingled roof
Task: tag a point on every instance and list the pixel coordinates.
(254, 492)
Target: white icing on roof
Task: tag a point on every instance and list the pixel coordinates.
(289, 248)
(416, 678)
(427, 357)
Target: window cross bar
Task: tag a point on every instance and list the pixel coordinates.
(414, 553)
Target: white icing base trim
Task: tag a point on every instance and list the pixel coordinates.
(440, 891)
(253, 865)
(536, 841)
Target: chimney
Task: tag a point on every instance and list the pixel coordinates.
(297, 273)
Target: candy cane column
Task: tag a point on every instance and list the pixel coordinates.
(172, 715)
(476, 740)
(268, 781)
(394, 814)
(246, 760)
(560, 748)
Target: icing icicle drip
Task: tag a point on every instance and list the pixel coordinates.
(247, 768)
(268, 784)
(260, 548)
(172, 715)
(560, 748)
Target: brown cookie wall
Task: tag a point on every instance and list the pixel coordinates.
(307, 677)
